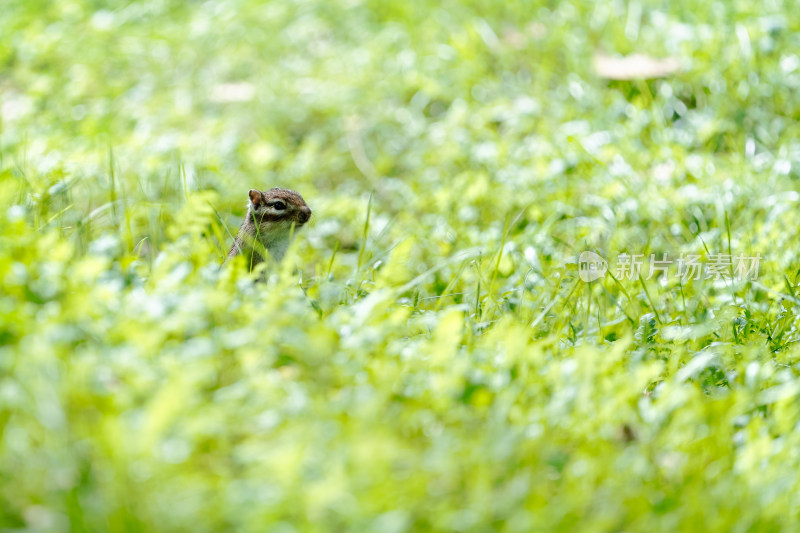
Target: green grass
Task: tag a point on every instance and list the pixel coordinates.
(426, 357)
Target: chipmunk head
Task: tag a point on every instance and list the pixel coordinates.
(274, 214)
(278, 205)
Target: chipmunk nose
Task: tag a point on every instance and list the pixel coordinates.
(304, 214)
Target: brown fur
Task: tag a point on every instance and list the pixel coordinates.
(265, 227)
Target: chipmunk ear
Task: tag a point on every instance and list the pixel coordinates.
(255, 197)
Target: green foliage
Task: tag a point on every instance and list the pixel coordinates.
(426, 356)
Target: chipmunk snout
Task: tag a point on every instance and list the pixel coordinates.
(304, 214)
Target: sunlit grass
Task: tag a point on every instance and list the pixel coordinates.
(426, 357)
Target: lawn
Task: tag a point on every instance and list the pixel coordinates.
(550, 282)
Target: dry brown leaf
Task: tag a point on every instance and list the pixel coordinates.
(634, 66)
(238, 91)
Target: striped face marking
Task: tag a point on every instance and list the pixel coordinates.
(279, 205)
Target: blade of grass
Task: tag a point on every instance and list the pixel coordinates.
(649, 299)
(333, 256)
(366, 232)
(113, 186)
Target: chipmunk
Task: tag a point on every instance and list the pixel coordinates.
(271, 218)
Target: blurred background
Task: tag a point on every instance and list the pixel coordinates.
(456, 114)
(427, 358)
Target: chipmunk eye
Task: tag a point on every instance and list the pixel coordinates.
(280, 206)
